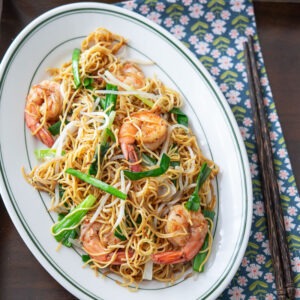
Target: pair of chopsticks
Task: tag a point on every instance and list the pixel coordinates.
(275, 222)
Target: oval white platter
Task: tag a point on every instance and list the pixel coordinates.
(48, 41)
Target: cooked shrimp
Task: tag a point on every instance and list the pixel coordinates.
(43, 104)
(132, 75)
(97, 250)
(190, 229)
(146, 127)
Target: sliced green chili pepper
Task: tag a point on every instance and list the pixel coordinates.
(194, 201)
(75, 67)
(163, 167)
(198, 260)
(97, 183)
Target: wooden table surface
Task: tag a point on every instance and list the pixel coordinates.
(21, 276)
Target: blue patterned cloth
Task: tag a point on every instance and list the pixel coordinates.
(214, 30)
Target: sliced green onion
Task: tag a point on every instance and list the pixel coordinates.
(119, 235)
(85, 258)
(93, 169)
(64, 229)
(148, 160)
(102, 103)
(61, 191)
(198, 260)
(104, 145)
(163, 167)
(194, 201)
(110, 99)
(75, 67)
(175, 164)
(60, 216)
(110, 134)
(182, 118)
(87, 82)
(55, 128)
(46, 153)
(97, 183)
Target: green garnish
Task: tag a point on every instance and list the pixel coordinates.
(110, 99)
(119, 235)
(75, 67)
(55, 128)
(182, 118)
(46, 153)
(64, 229)
(175, 163)
(148, 160)
(87, 83)
(110, 102)
(194, 201)
(198, 260)
(97, 183)
(85, 258)
(163, 167)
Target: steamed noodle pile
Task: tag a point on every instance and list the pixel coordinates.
(142, 217)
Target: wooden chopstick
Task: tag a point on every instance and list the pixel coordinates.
(276, 229)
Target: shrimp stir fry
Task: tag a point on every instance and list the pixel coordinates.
(144, 127)
(43, 105)
(99, 250)
(189, 229)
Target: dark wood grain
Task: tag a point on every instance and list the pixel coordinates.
(21, 276)
(276, 229)
(279, 30)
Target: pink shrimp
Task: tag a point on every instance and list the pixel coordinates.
(132, 75)
(144, 126)
(190, 229)
(43, 101)
(93, 246)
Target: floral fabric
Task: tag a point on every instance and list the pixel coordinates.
(214, 30)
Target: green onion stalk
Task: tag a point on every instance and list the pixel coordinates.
(65, 229)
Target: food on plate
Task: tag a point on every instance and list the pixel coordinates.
(130, 185)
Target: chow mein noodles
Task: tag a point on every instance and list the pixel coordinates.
(124, 171)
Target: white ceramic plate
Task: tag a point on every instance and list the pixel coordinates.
(48, 41)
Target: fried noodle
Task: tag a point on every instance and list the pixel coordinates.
(142, 217)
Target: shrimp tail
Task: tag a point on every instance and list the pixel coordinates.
(130, 155)
(169, 257)
(185, 254)
(45, 136)
(41, 133)
(119, 257)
